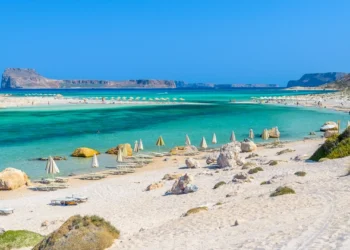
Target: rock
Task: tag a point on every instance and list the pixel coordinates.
(211, 159)
(155, 185)
(183, 150)
(312, 133)
(56, 158)
(274, 133)
(229, 156)
(11, 178)
(248, 146)
(192, 163)
(45, 223)
(240, 178)
(172, 176)
(85, 152)
(114, 151)
(232, 194)
(183, 185)
(329, 133)
(330, 125)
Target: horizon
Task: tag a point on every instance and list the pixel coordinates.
(191, 41)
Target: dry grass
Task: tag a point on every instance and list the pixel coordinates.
(195, 210)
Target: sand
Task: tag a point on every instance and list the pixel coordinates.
(316, 217)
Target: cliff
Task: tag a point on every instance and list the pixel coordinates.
(17, 78)
(317, 79)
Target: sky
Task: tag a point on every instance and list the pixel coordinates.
(224, 42)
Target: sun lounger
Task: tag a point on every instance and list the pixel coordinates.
(58, 186)
(79, 198)
(47, 181)
(93, 177)
(6, 211)
(64, 202)
(44, 188)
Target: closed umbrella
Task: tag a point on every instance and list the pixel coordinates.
(214, 141)
(120, 155)
(188, 141)
(265, 134)
(94, 163)
(51, 167)
(140, 145)
(203, 144)
(160, 142)
(136, 147)
(233, 137)
(251, 134)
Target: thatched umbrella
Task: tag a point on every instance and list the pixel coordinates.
(160, 142)
(140, 145)
(214, 140)
(188, 141)
(265, 134)
(233, 137)
(203, 144)
(251, 134)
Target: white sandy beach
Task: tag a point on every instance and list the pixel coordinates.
(316, 217)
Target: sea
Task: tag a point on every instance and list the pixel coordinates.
(41, 131)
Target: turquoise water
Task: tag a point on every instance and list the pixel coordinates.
(42, 131)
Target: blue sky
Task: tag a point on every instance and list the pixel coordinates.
(251, 41)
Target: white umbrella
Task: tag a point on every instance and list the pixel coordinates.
(214, 141)
(136, 147)
(188, 141)
(140, 145)
(251, 134)
(51, 167)
(94, 163)
(120, 155)
(203, 143)
(265, 134)
(233, 137)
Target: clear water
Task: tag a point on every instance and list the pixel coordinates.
(43, 131)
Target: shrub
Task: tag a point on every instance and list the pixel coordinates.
(265, 183)
(337, 146)
(273, 163)
(18, 239)
(248, 165)
(300, 173)
(282, 191)
(255, 170)
(219, 184)
(196, 210)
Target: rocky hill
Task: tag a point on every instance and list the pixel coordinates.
(315, 80)
(20, 78)
(343, 83)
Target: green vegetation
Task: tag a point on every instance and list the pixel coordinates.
(196, 210)
(336, 146)
(218, 203)
(81, 233)
(300, 173)
(255, 170)
(18, 239)
(265, 183)
(282, 191)
(273, 163)
(248, 164)
(219, 184)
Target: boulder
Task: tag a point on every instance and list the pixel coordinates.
(329, 126)
(212, 158)
(192, 163)
(248, 146)
(229, 155)
(11, 178)
(183, 150)
(329, 133)
(114, 151)
(183, 185)
(172, 176)
(274, 133)
(155, 185)
(240, 178)
(85, 152)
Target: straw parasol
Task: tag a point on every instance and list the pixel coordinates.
(120, 155)
(51, 167)
(160, 142)
(214, 140)
(265, 134)
(140, 145)
(233, 137)
(188, 141)
(136, 147)
(94, 163)
(203, 143)
(251, 134)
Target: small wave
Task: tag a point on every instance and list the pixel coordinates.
(164, 93)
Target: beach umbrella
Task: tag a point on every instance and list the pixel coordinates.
(51, 167)
(214, 141)
(188, 141)
(203, 143)
(140, 145)
(136, 147)
(265, 134)
(94, 163)
(251, 134)
(233, 137)
(160, 142)
(120, 155)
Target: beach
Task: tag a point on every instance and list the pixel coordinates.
(317, 216)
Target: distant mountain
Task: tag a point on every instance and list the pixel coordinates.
(317, 79)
